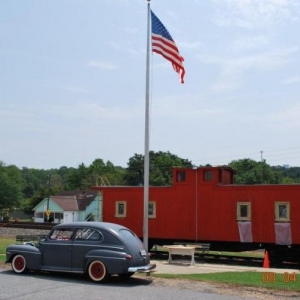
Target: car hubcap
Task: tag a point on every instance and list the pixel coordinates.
(97, 270)
(19, 264)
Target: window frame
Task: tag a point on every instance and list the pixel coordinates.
(117, 211)
(153, 215)
(278, 218)
(239, 216)
(39, 214)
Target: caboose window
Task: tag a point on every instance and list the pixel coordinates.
(282, 211)
(180, 176)
(208, 175)
(120, 209)
(243, 210)
(152, 209)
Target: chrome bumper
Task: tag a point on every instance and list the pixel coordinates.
(146, 268)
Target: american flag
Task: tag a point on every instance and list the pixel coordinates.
(163, 44)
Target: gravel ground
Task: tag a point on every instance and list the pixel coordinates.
(6, 231)
(228, 289)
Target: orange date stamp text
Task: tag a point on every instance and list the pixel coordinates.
(271, 277)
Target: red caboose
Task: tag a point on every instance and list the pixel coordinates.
(204, 205)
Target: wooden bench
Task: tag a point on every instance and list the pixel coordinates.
(29, 238)
(201, 248)
(181, 250)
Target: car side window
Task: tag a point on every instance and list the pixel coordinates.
(88, 234)
(112, 240)
(126, 233)
(61, 234)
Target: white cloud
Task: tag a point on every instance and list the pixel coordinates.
(172, 14)
(288, 118)
(250, 42)
(12, 112)
(255, 13)
(114, 45)
(162, 65)
(104, 65)
(33, 118)
(128, 48)
(95, 110)
(131, 30)
(186, 107)
(77, 89)
(291, 80)
(233, 69)
(187, 45)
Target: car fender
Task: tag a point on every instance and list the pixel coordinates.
(31, 254)
(109, 258)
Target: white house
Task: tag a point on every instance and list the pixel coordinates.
(69, 206)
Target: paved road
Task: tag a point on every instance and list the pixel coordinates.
(59, 286)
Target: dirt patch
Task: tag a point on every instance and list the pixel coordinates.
(224, 289)
(4, 266)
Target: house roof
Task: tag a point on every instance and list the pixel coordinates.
(67, 203)
(74, 200)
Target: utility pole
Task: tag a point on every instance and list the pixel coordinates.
(48, 200)
(261, 155)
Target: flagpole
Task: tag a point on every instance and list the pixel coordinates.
(146, 156)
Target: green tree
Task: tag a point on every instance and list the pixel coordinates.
(291, 175)
(160, 165)
(98, 173)
(252, 172)
(34, 179)
(77, 177)
(101, 173)
(11, 186)
(39, 185)
(41, 193)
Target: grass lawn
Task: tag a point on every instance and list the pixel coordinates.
(287, 281)
(4, 242)
(254, 254)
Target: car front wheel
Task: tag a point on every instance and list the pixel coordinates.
(19, 264)
(97, 271)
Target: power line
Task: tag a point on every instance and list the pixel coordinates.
(223, 159)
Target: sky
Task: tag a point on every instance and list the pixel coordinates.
(73, 82)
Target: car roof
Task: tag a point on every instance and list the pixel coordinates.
(98, 225)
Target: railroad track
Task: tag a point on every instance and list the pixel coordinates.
(27, 225)
(214, 258)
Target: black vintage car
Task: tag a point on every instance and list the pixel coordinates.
(97, 248)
